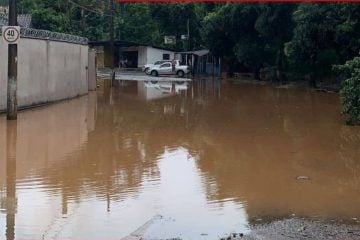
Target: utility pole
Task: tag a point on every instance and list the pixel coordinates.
(188, 34)
(112, 12)
(12, 67)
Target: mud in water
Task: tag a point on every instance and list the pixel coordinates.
(209, 158)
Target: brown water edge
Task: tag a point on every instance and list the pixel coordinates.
(211, 159)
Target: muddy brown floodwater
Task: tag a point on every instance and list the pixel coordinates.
(208, 158)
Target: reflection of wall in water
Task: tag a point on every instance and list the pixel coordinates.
(48, 135)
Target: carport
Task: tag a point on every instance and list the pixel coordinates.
(129, 54)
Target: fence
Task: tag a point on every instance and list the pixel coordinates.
(53, 36)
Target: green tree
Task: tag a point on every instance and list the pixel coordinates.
(253, 35)
(172, 19)
(324, 34)
(275, 26)
(218, 34)
(350, 92)
(67, 17)
(135, 23)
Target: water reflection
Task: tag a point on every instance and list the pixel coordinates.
(209, 157)
(9, 202)
(156, 90)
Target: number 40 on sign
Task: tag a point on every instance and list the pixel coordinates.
(11, 34)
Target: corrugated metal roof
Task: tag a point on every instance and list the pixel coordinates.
(123, 43)
(199, 53)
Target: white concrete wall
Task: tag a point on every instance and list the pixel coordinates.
(92, 70)
(3, 152)
(3, 75)
(155, 54)
(141, 56)
(148, 54)
(47, 71)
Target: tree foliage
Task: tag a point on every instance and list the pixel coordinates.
(64, 16)
(324, 34)
(350, 92)
(253, 35)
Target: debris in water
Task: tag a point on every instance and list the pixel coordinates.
(301, 229)
(303, 178)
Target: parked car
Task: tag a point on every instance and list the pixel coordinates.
(167, 87)
(167, 69)
(146, 67)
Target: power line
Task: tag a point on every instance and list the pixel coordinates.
(88, 9)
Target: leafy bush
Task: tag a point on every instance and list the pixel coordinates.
(350, 92)
(268, 73)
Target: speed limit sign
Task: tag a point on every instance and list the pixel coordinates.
(11, 34)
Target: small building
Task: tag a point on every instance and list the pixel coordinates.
(201, 61)
(128, 54)
(134, 55)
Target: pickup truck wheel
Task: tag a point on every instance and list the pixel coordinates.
(154, 73)
(180, 73)
(146, 70)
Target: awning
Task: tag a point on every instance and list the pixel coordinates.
(201, 53)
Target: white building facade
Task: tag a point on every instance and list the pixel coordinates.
(144, 54)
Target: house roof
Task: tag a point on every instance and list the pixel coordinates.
(24, 20)
(199, 53)
(122, 43)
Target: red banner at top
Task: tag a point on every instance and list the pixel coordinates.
(239, 1)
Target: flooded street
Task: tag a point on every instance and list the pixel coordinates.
(209, 158)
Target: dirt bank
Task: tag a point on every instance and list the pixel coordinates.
(286, 229)
(304, 229)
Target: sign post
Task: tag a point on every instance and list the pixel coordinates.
(171, 40)
(11, 35)
(112, 11)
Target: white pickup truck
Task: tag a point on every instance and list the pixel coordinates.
(146, 67)
(166, 69)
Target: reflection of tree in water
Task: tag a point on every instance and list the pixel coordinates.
(266, 138)
(250, 143)
(350, 152)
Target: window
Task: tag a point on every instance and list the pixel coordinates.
(166, 56)
(166, 65)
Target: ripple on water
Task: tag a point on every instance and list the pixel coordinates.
(209, 164)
